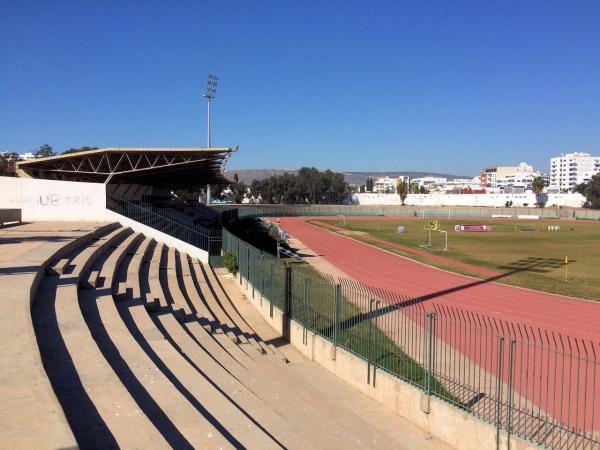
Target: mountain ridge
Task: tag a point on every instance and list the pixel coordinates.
(351, 177)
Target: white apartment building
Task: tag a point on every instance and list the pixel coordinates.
(384, 185)
(571, 169)
(518, 181)
(493, 176)
(430, 183)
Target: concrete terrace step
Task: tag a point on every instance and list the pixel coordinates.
(189, 425)
(214, 287)
(154, 277)
(111, 265)
(221, 320)
(135, 268)
(291, 396)
(206, 318)
(31, 414)
(84, 260)
(92, 396)
(170, 276)
(217, 403)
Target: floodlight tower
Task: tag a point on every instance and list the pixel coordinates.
(209, 94)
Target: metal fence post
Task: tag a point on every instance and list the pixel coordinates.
(262, 277)
(271, 292)
(374, 348)
(510, 393)
(499, 389)
(271, 283)
(288, 291)
(247, 265)
(239, 261)
(429, 372)
(336, 319)
(336, 314)
(369, 343)
(304, 332)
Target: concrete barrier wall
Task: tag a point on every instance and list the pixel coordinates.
(572, 200)
(53, 200)
(445, 422)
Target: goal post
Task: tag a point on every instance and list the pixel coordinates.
(436, 213)
(341, 220)
(436, 240)
(524, 228)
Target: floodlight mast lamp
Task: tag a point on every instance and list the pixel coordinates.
(209, 94)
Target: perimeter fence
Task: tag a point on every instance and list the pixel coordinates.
(535, 384)
(262, 210)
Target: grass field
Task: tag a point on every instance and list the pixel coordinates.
(529, 259)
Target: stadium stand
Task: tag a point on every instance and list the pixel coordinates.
(118, 341)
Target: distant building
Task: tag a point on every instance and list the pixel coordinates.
(27, 156)
(384, 185)
(461, 184)
(430, 183)
(518, 181)
(571, 169)
(493, 176)
(387, 185)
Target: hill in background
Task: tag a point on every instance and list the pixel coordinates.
(247, 175)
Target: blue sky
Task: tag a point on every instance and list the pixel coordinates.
(400, 85)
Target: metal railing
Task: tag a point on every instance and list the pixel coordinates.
(535, 384)
(146, 214)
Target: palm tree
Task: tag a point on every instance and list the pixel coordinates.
(538, 186)
(402, 189)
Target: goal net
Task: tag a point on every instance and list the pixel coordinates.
(436, 240)
(436, 213)
(524, 228)
(341, 220)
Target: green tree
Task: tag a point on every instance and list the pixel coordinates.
(591, 191)
(44, 151)
(538, 185)
(402, 189)
(308, 186)
(238, 191)
(369, 184)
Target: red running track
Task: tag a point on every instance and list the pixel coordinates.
(375, 267)
(566, 316)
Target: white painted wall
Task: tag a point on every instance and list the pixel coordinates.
(493, 200)
(53, 200)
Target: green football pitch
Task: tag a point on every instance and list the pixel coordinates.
(533, 259)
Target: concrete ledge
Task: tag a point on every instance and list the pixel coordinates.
(444, 421)
(159, 236)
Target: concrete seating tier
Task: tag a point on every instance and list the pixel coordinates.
(137, 345)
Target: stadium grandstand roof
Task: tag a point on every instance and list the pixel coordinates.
(159, 167)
